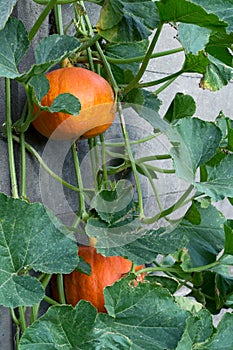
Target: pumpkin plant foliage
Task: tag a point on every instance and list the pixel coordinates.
(186, 242)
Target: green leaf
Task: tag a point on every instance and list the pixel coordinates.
(182, 106)
(50, 51)
(219, 46)
(33, 238)
(188, 304)
(193, 38)
(83, 266)
(147, 105)
(14, 44)
(124, 72)
(194, 142)
(147, 245)
(222, 338)
(70, 328)
(217, 75)
(116, 234)
(221, 8)
(111, 205)
(145, 314)
(196, 63)
(228, 229)
(65, 103)
(198, 328)
(219, 179)
(199, 12)
(6, 8)
(224, 268)
(40, 85)
(127, 20)
(203, 227)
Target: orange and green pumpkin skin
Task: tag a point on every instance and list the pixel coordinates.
(105, 271)
(97, 105)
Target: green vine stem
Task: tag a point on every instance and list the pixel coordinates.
(104, 167)
(164, 86)
(45, 166)
(14, 317)
(174, 269)
(154, 157)
(50, 300)
(86, 32)
(141, 58)
(22, 318)
(132, 161)
(23, 165)
(60, 287)
(44, 279)
(148, 175)
(160, 81)
(82, 206)
(58, 19)
(41, 18)
(145, 62)
(136, 142)
(157, 169)
(93, 161)
(179, 204)
(14, 185)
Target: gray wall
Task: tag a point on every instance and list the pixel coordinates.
(208, 106)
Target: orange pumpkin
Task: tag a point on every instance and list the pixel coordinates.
(105, 271)
(97, 105)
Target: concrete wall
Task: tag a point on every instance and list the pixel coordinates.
(208, 106)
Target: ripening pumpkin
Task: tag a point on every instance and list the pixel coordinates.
(97, 105)
(105, 271)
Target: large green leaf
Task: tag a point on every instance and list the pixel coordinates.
(31, 237)
(199, 12)
(142, 317)
(145, 248)
(65, 327)
(219, 46)
(194, 142)
(6, 7)
(14, 43)
(219, 182)
(198, 328)
(50, 51)
(127, 20)
(222, 338)
(223, 9)
(204, 229)
(182, 106)
(193, 38)
(146, 314)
